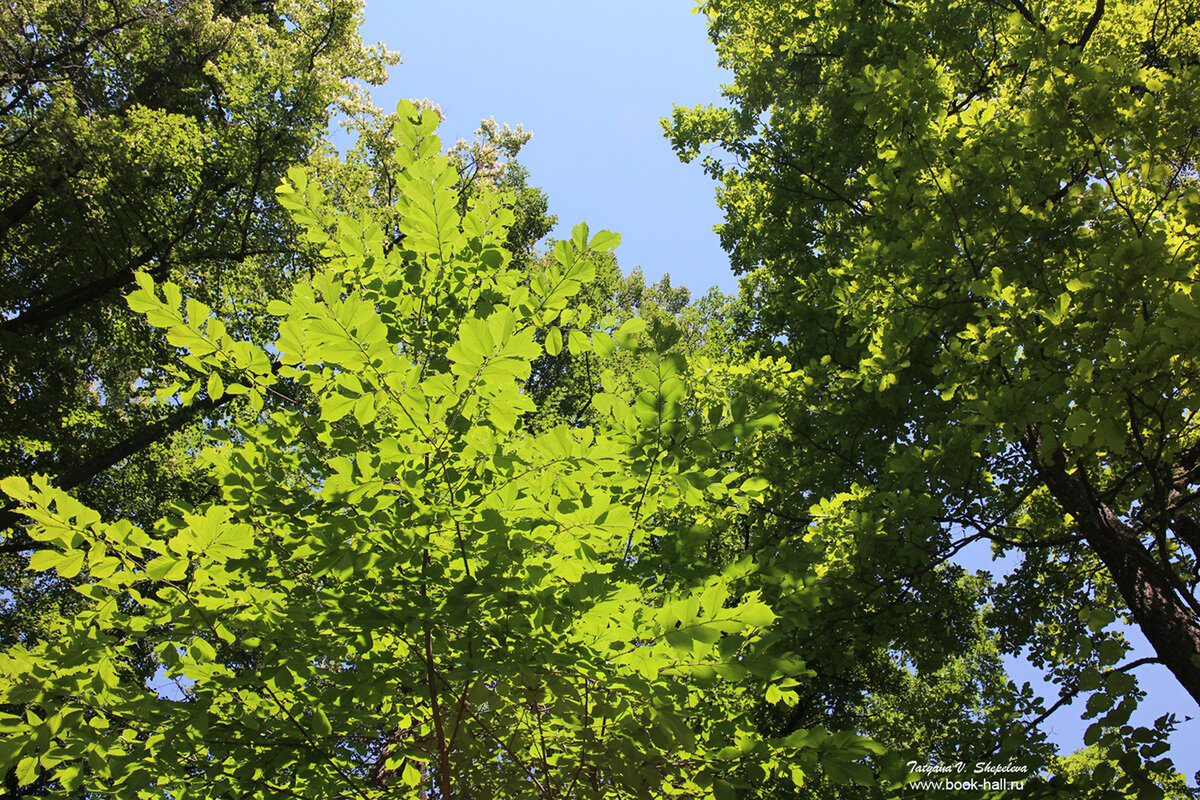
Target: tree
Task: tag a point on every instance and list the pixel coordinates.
(139, 136)
(399, 588)
(144, 136)
(857, 642)
(363, 181)
(970, 225)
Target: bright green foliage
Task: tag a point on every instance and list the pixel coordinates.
(972, 227)
(144, 136)
(363, 180)
(400, 587)
(846, 632)
(564, 384)
(1097, 772)
(141, 136)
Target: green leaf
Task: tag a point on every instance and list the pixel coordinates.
(603, 344)
(201, 651)
(364, 409)
(167, 567)
(321, 724)
(578, 342)
(43, 560)
(70, 776)
(108, 674)
(71, 564)
(216, 387)
(848, 773)
(15, 487)
(579, 236)
(626, 335)
(756, 614)
(27, 771)
(755, 486)
(1120, 683)
(604, 241)
(554, 341)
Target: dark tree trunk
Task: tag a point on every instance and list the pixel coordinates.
(1148, 587)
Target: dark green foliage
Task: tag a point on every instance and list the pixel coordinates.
(970, 227)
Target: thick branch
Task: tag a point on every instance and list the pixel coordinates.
(18, 209)
(1090, 28)
(88, 469)
(42, 313)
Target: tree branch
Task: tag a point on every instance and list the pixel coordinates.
(1090, 28)
(88, 469)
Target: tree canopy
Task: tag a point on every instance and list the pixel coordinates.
(971, 226)
(145, 137)
(141, 136)
(325, 478)
(399, 586)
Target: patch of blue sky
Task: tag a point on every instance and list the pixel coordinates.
(590, 81)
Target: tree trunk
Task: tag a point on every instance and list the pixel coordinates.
(1149, 589)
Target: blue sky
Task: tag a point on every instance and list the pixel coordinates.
(591, 81)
